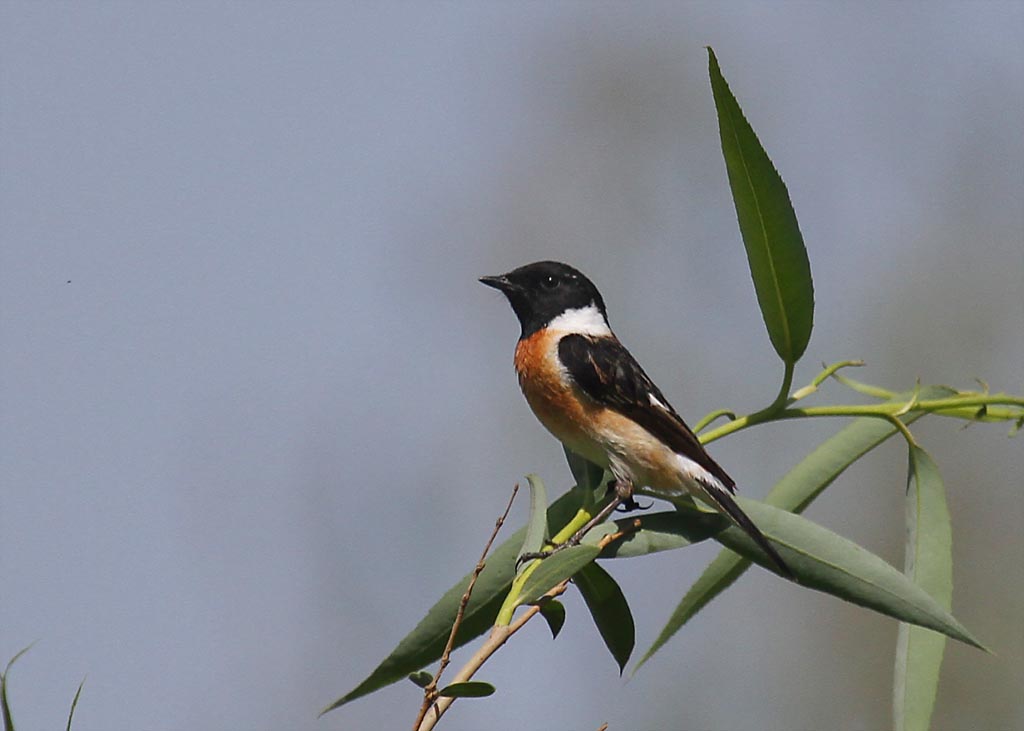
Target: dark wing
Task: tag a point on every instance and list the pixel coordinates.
(607, 373)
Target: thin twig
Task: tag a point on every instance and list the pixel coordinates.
(430, 691)
(446, 655)
(707, 420)
(829, 370)
(499, 636)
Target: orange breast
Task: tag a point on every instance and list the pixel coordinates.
(551, 396)
(599, 434)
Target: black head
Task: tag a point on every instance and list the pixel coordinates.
(542, 291)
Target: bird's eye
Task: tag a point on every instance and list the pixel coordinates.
(550, 282)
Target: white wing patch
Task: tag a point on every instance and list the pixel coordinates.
(656, 403)
(693, 475)
(583, 321)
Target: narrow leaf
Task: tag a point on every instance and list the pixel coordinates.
(929, 564)
(74, 703)
(586, 473)
(794, 492)
(590, 478)
(608, 607)
(467, 689)
(822, 560)
(5, 708)
(654, 532)
(775, 249)
(801, 485)
(425, 643)
(537, 526)
(555, 569)
(553, 612)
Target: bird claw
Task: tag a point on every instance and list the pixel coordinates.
(629, 505)
(538, 555)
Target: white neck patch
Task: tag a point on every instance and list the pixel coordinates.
(584, 321)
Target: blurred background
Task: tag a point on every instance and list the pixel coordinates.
(257, 413)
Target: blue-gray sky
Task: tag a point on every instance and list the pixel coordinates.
(256, 413)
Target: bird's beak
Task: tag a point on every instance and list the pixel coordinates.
(501, 282)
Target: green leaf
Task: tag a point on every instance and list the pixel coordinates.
(657, 532)
(794, 492)
(537, 526)
(586, 473)
(5, 708)
(608, 607)
(427, 640)
(467, 689)
(775, 249)
(590, 478)
(555, 569)
(74, 703)
(822, 560)
(929, 564)
(553, 612)
(421, 678)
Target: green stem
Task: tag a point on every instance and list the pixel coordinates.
(783, 398)
(897, 422)
(768, 413)
(829, 370)
(703, 423)
(511, 602)
(865, 388)
(990, 415)
(881, 411)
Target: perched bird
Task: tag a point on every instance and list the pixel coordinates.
(589, 391)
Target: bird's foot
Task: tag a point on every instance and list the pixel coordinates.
(629, 504)
(539, 555)
(623, 498)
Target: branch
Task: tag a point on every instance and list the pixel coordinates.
(430, 691)
(500, 633)
(972, 405)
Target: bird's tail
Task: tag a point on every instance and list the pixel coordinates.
(722, 500)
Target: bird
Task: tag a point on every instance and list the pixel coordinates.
(588, 390)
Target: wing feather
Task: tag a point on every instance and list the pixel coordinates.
(608, 373)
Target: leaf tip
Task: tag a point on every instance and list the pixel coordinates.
(712, 60)
(984, 648)
(553, 612)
